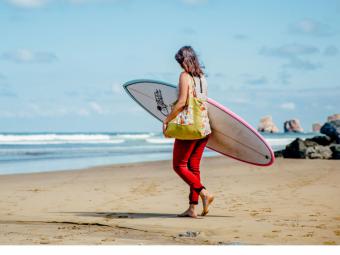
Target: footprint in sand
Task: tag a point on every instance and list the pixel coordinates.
(276, 231)
(35, 190)
(254, 213)
(329, 243)
(321, 226)
(270, 235)
(309, 234)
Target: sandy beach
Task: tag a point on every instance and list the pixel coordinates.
(290, 202)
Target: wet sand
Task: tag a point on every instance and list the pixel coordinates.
(290, 202)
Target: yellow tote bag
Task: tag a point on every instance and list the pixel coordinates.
(188, 124)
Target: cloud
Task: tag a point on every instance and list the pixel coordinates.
(5, 91)
(96, 107)
(284, 78)
(289, 50)
(194, 2)
(163, 75)
(117, 88)
(295, 54)
(33, 110)
(241, 37)
(301, 64)
(30, 4)
(255, 80)
(218, 75)
(188, 31)
(27, 3)
(311, 27)
(287, 106)
(82, 112)
(331, 51)
(28, 56)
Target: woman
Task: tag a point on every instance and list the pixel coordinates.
(187, 154)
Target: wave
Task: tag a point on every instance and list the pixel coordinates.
(70, 138)
(134, 136)
(160, 141)
(279, 141)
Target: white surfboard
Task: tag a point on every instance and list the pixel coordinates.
(231, 135)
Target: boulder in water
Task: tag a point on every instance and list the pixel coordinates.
(332, 129)
(316, 127)
(333, 117)
(296, 149)
(292, 126)
(318, 152)
(335, 148)
(321, 140)
(318, 147)
(267, 125)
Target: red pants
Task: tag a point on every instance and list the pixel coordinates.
(187, 156)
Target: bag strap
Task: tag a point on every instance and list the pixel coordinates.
(194, 89)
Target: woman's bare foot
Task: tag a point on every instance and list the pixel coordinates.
(190, 212)
(207, 199)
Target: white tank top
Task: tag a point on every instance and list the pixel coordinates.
(201, 87)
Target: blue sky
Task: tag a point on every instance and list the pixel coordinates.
(62, 62)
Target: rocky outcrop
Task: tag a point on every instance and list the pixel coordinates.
(292, 126)
(267, 125)
(333, 117)
(335, 148)
(317, 147)
(316, 127)
(332, 129)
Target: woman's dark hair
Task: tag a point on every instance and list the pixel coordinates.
(187, 58)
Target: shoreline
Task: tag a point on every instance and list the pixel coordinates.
(291, 202)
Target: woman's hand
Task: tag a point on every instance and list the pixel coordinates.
(165, 125)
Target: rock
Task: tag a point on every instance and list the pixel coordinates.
(267, 125)
(318, 147)
(332, 129)
(316, 127)
(278, 154)
(296, 149)
(292, 126)
(335, 148)
(310, 143)
(189, 234)
(321, 140)
(335, 116)
(318, 152)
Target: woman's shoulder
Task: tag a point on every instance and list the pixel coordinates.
(185, 75)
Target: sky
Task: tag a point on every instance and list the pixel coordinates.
(63, 62)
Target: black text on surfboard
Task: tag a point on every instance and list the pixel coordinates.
(161, 106)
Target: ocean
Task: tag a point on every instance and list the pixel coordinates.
(45, 151)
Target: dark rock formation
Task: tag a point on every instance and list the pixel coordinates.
(322, 140)
(318, 147)
(296, 149)
(292, 126)
(318, 152)
(332, 129)
(335, 148)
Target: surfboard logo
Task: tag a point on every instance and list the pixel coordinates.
(161, 106)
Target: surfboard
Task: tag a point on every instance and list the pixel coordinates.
(231, 135)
